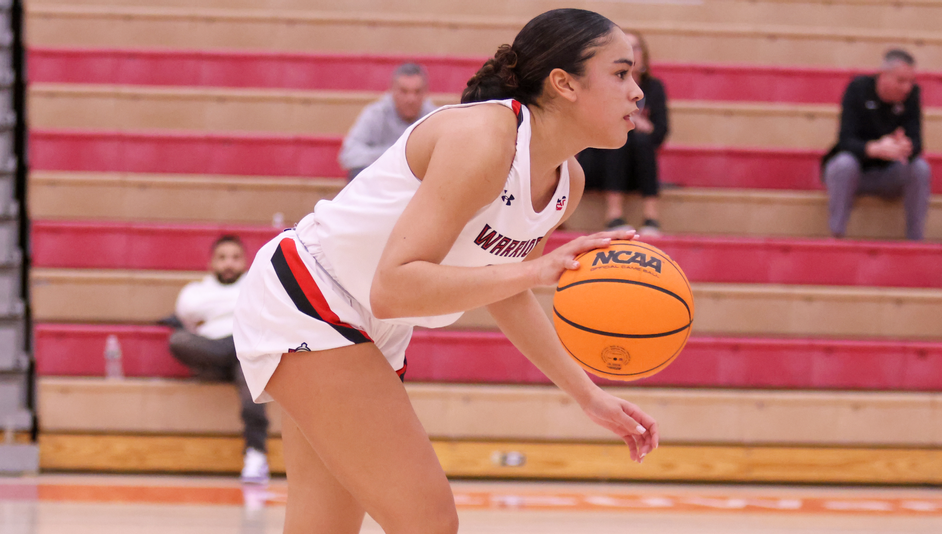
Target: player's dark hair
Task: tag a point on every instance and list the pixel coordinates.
(227, 238)
(899, 55)
(558, 39)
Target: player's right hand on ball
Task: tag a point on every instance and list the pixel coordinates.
(553, 264)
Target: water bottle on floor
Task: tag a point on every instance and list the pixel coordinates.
(113, 366)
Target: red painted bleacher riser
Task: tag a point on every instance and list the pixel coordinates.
(446, 74)
(110, 245)
(485, 357)
(185, 153)
(274, 155)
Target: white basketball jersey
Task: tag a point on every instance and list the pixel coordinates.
(352, 229)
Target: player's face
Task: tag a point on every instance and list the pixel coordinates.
(608, 94)
(408, 93)
(228, 262)
(895, 83)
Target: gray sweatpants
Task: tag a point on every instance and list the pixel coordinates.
(845, 180)
(216, 360)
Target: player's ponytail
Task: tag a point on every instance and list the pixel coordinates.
(558, 39)
(495, 80)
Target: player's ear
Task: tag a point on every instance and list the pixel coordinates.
(562, 83)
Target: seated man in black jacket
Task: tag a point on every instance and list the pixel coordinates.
(878, 150)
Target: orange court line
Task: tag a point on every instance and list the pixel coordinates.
(497, 500)
(140, 494)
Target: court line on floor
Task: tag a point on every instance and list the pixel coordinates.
(490, 500)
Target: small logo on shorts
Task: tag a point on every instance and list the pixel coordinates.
(302, 348)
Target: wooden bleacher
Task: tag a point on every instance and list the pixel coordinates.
(703, 81)
(140, 245)
(64, 106)
(256, 200)
(158, 126)
(486, 357)
(77, 295)
(761, 38)
(464, 420)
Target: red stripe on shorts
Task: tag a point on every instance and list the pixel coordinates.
(309, 286)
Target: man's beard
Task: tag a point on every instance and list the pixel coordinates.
(228, 278)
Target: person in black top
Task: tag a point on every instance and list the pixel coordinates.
(633, 167)
(878, 151)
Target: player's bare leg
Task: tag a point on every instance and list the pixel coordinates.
(317, 502)
(352, 409)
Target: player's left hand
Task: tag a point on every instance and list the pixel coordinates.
(552, 265)
(636, 428)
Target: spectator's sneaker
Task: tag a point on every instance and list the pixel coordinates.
(618, 224)
(255, 467)
(651, 228)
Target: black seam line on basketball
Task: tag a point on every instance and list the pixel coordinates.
(660, 365)
(613, 334)
(663, 256)
(296, 294)
(633, 282)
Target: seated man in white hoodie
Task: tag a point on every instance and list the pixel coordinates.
(204, 343)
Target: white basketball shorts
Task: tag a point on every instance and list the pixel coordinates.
(290, 303)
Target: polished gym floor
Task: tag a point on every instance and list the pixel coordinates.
(99, 504)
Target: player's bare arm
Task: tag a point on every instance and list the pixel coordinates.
(463, 161)
(523, 321)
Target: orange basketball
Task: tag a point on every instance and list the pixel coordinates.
(626, 312)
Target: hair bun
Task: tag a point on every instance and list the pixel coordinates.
(506, 56)
(496, 79)
(558, 39)
(506, 60)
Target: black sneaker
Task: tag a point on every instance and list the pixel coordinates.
(618, 224)
(650, 228)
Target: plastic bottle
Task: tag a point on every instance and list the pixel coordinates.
(113, 366)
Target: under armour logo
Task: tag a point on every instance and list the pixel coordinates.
(507, 198)
(302, 348)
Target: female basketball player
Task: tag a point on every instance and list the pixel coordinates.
(452, 217)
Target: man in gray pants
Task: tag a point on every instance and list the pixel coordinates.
(203, 342)
(879, 148)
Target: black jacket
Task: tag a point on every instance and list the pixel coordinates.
(864, 117)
